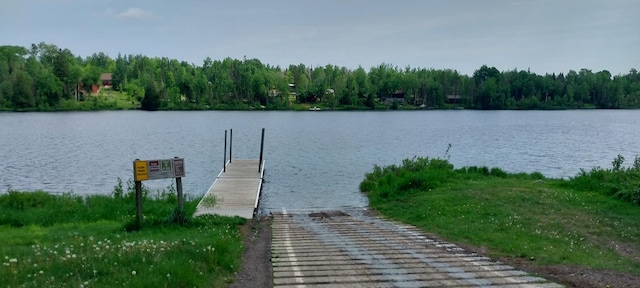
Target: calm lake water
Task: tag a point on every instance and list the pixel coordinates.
(314, 160)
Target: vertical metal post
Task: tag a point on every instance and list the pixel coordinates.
(180, 197)
(224, 163)
(230, 144)
(261, 149)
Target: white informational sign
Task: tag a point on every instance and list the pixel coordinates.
(158, 169)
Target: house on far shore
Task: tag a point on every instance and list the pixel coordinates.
(454, 99)
(293, 95)
(397, 96)
(105, 79)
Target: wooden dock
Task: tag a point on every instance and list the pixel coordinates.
(236, 191)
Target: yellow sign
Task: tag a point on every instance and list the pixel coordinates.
(141, 171)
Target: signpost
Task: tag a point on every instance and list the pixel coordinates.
(157, 169)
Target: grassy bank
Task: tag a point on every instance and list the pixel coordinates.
(105, 100)
(71, 241)
(581, 221)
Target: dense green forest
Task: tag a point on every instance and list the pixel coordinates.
(45, 77)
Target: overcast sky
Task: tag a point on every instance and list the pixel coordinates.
(544, 36)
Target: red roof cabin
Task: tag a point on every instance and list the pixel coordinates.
(106, 78)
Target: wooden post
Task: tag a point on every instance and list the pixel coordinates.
(261, 149)
(180, 198)
(230, 144)
(138, 185)
(224, 164)
(139, 204)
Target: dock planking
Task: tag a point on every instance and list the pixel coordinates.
(236, 191)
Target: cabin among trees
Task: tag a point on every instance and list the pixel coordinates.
(454, 99)
(80, 93)
(397, 96)
(106, 80)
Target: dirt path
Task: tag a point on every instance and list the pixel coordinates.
(256, 270)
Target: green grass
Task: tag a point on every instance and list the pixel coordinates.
(106, 99)
(549, 221)
(71, 241)
(121, 100)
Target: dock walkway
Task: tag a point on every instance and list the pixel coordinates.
(236, 191)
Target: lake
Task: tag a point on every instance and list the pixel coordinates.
(314, 160)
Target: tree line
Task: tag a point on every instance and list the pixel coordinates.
(43, 76)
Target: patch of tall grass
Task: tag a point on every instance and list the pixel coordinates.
(419, 175)
(44, 209)
(618, 181)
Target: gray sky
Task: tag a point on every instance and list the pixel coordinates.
(542, 35)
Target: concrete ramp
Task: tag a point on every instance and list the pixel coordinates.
(351, 249)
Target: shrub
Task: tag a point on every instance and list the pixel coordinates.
(537, 175)
(619, 182)
(414, 175)
(498, 172)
